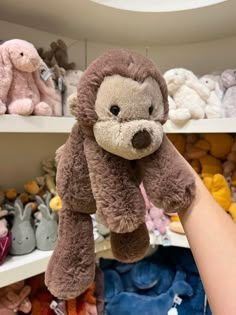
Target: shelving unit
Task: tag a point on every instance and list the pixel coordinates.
(85, 27)
(17, 268)
(22, 267)
(60, 125)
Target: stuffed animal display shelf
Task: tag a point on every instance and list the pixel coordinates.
(116, 143)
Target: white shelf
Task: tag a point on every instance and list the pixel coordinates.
(221, 125)
(35, 124)
(39, 124)
(17, 268)
(174, 239)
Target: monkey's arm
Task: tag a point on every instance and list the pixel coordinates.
(120, 204)
(71, 268)
(168, 182)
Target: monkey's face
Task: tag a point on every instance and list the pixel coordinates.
(129, 117)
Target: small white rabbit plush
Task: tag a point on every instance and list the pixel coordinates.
(214, 106)
(71, 80)
(23, 236)
(46, 232)
(188, 93)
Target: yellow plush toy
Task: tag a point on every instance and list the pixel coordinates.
(175, 225)
(218, 187)
(179, 141)
(55, 203)
(31, 187)
(220, 144)
(210, 165)
(11, 193)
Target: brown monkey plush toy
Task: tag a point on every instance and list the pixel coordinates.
(116, 143)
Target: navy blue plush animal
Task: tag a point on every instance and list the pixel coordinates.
(127, 303)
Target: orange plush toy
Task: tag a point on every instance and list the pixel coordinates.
(85, 304)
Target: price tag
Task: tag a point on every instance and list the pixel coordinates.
(165, 240)
(177, 300)
(45, 72)
(60, 84)
(54, 306)
(156, 233)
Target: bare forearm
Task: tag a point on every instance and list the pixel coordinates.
(212, 237)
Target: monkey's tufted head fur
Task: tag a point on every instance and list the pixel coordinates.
(123, 102)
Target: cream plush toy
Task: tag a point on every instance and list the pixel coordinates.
(214, 107)
(71, 80)
(188, 93)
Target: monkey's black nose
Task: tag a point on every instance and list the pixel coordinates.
(141, 139)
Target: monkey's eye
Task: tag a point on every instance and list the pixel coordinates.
(115, 109)
(150, 110)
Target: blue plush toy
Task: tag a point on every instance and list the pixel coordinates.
(148, 286)
(182, 258)
(127, 303)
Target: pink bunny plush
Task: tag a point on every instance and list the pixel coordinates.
(155, 218)
(22, 90)
(159, 221)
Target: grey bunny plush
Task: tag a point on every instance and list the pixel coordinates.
(46, 232)
(228, 78)
(23, 236)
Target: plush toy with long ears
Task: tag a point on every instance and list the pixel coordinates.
(22, 90)
(117, 142)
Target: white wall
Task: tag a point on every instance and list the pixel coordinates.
(202, 57)
(43, 39)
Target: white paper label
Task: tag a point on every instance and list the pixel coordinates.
(45, 72)
(54, 307)
(177, 300)
(60, 84)
(165, 240)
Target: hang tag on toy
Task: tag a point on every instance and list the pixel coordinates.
(54, 306)
(177, 300)
(156, 232)
(60, 84)
(165, 240)
(173, 311)
(45, 72)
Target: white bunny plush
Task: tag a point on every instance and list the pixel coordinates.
(188, 93)
(71, 80)
(214, 106)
